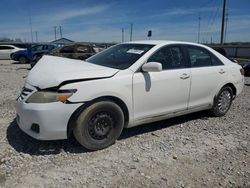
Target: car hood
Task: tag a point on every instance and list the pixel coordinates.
(51, 71)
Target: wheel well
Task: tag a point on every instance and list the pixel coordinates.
(22, 56)
(119, 102)
(232, 87)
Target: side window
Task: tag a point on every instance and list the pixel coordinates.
(6, 48)
(50, 47)
(67, 49)
(199, 57)
(216, 61)
(37, 48)
(82, 49)
(169, 57)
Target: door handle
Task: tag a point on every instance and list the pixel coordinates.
(184, 76)
(222, 71)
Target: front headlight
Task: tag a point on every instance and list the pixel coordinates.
(50, 96)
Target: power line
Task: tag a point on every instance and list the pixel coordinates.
(55, 32)
(60, 30)
(31, 29)
(122, 34)
(131, 32)
(212, 20)
(199, 28)
(36, 33)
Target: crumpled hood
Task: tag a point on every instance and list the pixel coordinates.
(51, 71)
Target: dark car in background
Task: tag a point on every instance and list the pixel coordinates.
(75, 51)
(223, 52)
(33, 53)
(246, 67)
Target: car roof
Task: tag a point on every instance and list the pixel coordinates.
(8, 45)
(162, 42)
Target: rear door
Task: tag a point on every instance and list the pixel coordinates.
(207, 76)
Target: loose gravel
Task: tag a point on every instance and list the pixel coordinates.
(195, 150)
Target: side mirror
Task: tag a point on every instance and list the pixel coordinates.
(152, 67)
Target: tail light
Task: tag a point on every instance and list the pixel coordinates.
(242, 72)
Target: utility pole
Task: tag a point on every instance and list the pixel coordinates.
(55, 32)
(223, 22)
(36, 36)
(199, 28)
(122, 34)
(31, 29)
(60, 30)
(226, 26)
(131, 31)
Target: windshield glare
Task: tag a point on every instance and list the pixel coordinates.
(120, 56)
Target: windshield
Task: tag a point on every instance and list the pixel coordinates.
(120, 56)
(36, 48)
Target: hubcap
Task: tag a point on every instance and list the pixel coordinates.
(224, 101)
(100, 125)
(22, 60)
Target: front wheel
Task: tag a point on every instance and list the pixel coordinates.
(99, 126)
(22, 60)
(222, 102)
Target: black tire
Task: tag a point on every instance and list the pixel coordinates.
(222, 102)
(99, 125)
(22, 59)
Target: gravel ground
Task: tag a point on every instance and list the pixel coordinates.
(195, 150)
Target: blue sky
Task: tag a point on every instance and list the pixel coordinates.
(102, 20)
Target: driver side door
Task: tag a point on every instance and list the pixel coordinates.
(157, 94)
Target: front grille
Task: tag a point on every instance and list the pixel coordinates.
(25, 92)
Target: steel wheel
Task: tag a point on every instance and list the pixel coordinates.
(100, 125)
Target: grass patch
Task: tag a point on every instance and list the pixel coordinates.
(242, 60)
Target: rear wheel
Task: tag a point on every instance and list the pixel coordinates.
(23, 59)
(222, 102)
(99, 126)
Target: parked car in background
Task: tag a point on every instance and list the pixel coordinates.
(27, 56)
(246, 67)
(75, 51)
(7, 50)
(126, 85)
(222, 51)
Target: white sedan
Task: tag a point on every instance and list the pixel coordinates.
(7, 50)
(124, 86)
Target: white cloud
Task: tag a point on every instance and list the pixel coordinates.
(69, 14)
